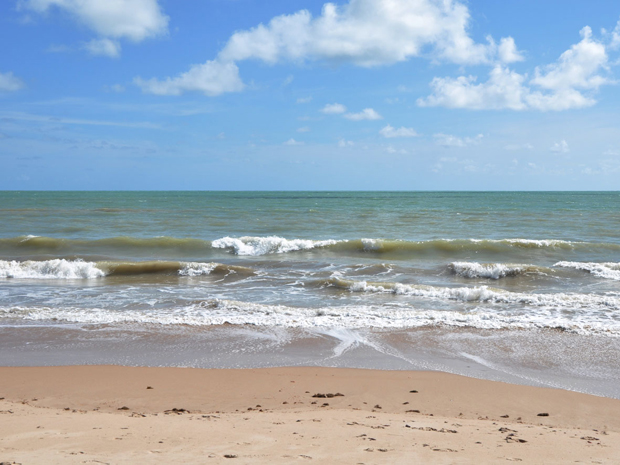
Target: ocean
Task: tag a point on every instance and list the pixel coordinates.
(515, 286)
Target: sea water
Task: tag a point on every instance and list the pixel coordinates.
(517, 286)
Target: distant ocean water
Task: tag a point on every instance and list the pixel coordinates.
(322, 262)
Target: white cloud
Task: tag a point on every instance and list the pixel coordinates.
(367, 33)
(304, 100)
(611, 153)
(504, 89)
(292, 141)
(131, 19)
(104, 47)
(448, 140)
(333, 109)
(345, 143)
(303, 129)
(134, 20)
(576, 67)
(560, 147)
(289, 79)
(10, 83)
(560, 84)
(365, 114)
(212, 78)
(363, 32)
(507, 51)
(389, 132)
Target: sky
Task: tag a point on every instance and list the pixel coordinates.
(307, 95)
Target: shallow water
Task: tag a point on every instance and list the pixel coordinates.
(463, 282)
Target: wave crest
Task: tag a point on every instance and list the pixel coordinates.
(250, 245)
(50, 269)
(484, 294)
(78, 269)
(219, 312)
(493, 270)
(602, 270)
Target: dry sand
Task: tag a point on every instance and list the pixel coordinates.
(118, 415)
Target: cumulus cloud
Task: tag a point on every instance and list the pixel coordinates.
(10, 83)
(448, 140)
(365, 114)
(304, 100)
(558, 86)
(333, 109)
(507, 51)
(560, 147)
(104, 47)
(345, 143)
(367, 33)
(211, 78)
(111, 20)
(389, 132)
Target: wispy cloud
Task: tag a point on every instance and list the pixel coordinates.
(365, 114)
(448, 140)
(292, 141)
(390, 132)
(333, 109)
(87, 122)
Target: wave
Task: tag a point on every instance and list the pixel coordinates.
(78, 269)
(494, 270)
(249, 245)
(484, 294)
(601, 270)
(258, 245)
(50, 269)
(123, 243)
(220, 312)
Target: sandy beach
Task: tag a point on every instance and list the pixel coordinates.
(114, 414)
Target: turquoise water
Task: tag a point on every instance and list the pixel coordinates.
(332, 265)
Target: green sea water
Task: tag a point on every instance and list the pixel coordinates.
(369, 271)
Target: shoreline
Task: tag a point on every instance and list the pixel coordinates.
(267, 415)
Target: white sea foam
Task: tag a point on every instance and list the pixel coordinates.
(602, 270)
(249, 245)
(50, 269)
(561, 300)
(491, 270)
(218, 312)
(197, 269)
(78, 269)
(372, 244)
(531, 242)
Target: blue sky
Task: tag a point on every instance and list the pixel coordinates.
(293, 94)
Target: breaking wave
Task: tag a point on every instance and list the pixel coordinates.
(78, 269)
(157, 247)
(219, 312)
(601, 270)
(494, 270)
(484, 294)
(267, 245)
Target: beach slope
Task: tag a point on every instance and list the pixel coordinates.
(117, 415)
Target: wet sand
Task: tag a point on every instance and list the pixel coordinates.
(114, 414)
